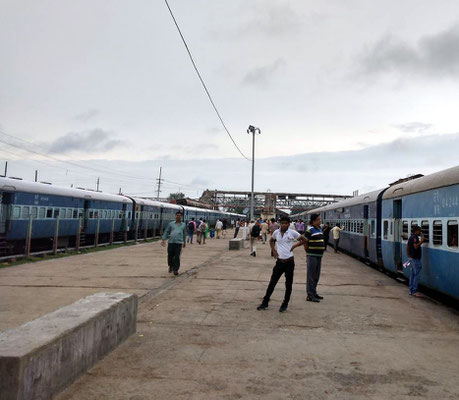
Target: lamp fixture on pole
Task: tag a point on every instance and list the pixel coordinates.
(253, 130)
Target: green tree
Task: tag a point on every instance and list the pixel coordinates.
(176, 196)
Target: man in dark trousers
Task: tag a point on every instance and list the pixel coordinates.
(285, 263)
(315, 248)
(176, 233)
(414, 253)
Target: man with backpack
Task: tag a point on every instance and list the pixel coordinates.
(191, 229)
(254, 236)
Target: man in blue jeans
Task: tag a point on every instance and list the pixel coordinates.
(414, 253)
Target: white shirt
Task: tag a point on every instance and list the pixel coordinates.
(285, 242)
(219, 225)
(335, 231)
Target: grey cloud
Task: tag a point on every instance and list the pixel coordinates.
(432, 56)
(278, 20)
(92, 141)
(200, 182)
(261, 76)
(87, 115)
(414, 127)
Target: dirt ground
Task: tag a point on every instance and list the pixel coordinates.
(199, 335)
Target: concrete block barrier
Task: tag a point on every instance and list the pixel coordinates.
(236, 244)
(43, 356)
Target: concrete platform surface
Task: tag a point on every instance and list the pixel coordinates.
(201, 337)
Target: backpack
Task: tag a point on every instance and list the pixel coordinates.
(255, 231)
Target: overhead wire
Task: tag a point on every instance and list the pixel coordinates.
(107, 170)
(202, 81)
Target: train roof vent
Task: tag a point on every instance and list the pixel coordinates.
(46, 183)
(408, 178)
(13, 177)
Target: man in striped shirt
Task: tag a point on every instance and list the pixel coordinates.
(315, 247)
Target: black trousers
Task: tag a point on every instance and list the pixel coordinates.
(280, 268)
(173, 255)
(236, 231)
(314, 265)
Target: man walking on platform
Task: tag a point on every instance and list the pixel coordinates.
(254, 236)
(264, 231)
(191, 229)
(314, 247)
(285, 263)
(238, 225)
(218, 228)
(414, 253)
(176, 233)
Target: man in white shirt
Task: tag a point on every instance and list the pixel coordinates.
(335, 232)
(218, 228)
(285, 263)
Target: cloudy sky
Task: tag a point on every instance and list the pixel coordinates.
(348, 94)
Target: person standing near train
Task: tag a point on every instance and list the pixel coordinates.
(282, 246)
(175, 233)
(414, 253)
(315, 248)
(336, 233)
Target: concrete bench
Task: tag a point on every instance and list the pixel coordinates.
(236, 244)
(45, 355)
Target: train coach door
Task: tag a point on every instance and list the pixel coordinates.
(3, 210)
(397, 211)
(366, 230)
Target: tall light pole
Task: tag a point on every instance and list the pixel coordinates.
(253, 130)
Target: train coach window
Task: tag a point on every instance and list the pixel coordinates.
(25, 212)
(452, 233)
(405, 230)
(55, 213)
(16, 212)
(91, 214)
(372, 228)
(69, 213)
(49, 213)
(75, 213)
(386, 229)
(34, 212)
(437, 233)
(42, 212)
(413, 224)
(425, 230)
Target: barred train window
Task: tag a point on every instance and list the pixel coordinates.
(386, 229)
(413, 224)
(49, 213)
(34, 212)
(425, 230)
(452, 233)
(16, 212)
(75, 213)
(25, 212)
(438, 233)
(42, 212)
(55, 213)
(405, 230)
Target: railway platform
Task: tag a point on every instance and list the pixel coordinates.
(199, 335)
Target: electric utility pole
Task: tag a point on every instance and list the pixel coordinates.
(253, 130)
